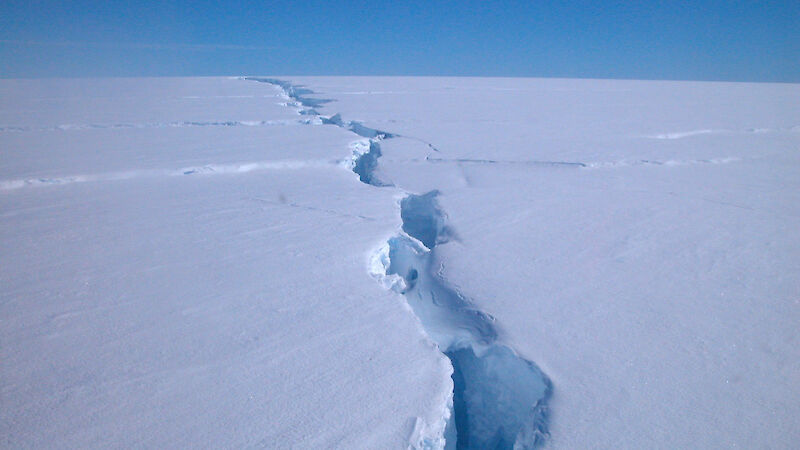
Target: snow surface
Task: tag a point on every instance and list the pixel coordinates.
(606, 264)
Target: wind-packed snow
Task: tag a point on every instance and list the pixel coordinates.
(185, 306)
(399, 262)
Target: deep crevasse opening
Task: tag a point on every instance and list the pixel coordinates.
(499, 398)
(364, 162)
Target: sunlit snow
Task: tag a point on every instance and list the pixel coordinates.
(399, 262)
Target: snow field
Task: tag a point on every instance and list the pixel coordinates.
(187, 262)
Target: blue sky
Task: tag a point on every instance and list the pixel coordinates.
(687, 40)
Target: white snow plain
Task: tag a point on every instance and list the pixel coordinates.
(192, 262)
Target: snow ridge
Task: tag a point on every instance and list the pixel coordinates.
(692, 133)
(499, 399)
(549, 164)
(118, 126)
(208, 169)
(664, 163)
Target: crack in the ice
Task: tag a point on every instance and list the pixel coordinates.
(499, 399)
(297, 93)
(364, 160)
(356, 127)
